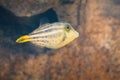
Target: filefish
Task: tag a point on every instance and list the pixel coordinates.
(54, 35)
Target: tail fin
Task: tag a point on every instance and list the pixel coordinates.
(23, 39)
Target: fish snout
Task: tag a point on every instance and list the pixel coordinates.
(76, 34)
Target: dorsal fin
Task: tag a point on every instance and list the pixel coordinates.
(41, 27)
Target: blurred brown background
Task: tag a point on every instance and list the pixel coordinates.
(95, 55)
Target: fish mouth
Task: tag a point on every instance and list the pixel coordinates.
(76, 34)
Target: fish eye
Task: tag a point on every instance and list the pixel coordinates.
(67, 28)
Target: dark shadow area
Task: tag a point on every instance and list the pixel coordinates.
(12, 27)
(66, 2)
(117, 2)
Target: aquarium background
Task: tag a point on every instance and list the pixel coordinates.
(95, 55)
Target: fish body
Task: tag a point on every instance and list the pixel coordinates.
(55, 35)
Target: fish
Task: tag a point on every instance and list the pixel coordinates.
(51, 35)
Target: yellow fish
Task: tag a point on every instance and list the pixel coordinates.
(55, 35)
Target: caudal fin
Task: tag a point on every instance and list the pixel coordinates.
(23, 39)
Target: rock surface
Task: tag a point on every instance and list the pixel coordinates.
(27, 7)
(95, 55)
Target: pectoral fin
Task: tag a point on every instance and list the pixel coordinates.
(23, 39)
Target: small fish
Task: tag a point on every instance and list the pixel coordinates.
(54, 36)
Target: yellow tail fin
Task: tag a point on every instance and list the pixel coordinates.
(23, 39)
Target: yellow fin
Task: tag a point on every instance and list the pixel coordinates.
(23, 39)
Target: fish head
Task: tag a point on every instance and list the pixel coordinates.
(69, 34)
(66, 29)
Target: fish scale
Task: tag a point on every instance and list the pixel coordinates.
(49, 39)
(45, 33)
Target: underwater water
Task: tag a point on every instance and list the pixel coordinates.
(95, 55)
(11, 27)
